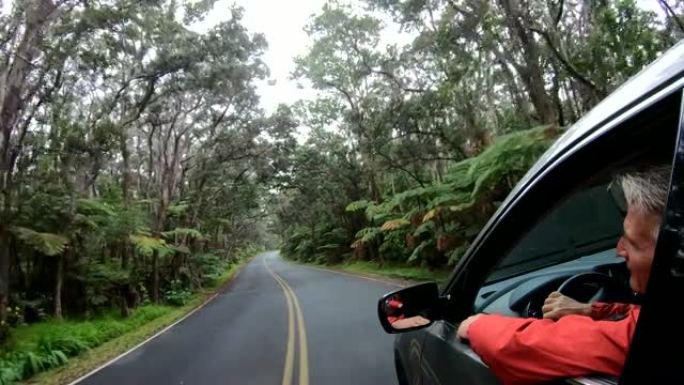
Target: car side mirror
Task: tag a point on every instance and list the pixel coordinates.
(409, 309)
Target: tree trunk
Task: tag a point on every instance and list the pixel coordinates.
(126, 289)
(531, 72)
(155, 277)
(4, 273)
(12, 86)
(59, 279)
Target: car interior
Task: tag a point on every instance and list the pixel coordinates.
(564, 244)
(571, 248)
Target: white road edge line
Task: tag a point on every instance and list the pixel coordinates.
(113, 360)
(379, 280)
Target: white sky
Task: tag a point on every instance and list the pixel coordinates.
(282, 23)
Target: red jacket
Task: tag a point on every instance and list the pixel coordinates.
(530, 350)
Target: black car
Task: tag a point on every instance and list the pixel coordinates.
(558, 229)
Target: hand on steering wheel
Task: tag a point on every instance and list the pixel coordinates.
(557, 305)
(582, 289)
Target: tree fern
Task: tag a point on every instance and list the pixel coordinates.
(146, 245)
(46, 243)
(178, 209)
(368, 234)
(358, 205)
(394, 224)
(425, 228)
(418, 251)
(181, 231)
(181, 249)
(94, 207)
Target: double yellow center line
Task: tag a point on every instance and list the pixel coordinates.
(294, 312)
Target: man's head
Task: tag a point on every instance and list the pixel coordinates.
(645, 193)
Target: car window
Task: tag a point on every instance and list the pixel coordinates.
(586, 222)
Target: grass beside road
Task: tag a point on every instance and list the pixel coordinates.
(402, 272)
(93, 343)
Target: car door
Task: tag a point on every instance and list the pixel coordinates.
(655, 354)
(586, 223)
(445, 359)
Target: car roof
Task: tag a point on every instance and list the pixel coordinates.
(655, 77)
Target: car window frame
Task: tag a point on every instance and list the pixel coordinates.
(660, 319)
(537, 197)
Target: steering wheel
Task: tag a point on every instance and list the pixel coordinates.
(584, 287)
(589, 287)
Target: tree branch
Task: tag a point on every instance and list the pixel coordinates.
(566, 64)
(670, 12)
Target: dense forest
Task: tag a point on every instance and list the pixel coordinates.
(136, 163)
(134, 155)
(431, 136)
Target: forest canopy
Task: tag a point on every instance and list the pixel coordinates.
(431, 136)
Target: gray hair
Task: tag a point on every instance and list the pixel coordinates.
(647, 189)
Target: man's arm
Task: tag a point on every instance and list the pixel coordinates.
(525, 351)
(558, 305)
(602, 310)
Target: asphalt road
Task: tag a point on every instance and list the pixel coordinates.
(278, 323)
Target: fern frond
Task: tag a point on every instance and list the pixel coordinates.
(147, 245)
(178, 209)
(46, 243)
(368, 234)
(418, 251)
(394, 224)
(181, 231)
(358, 205)
(429, 215)
(94, 207)
(181, 249)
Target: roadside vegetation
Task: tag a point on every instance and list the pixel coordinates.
(42, 346)
(398, 271)
(134, 163)
(433, 134)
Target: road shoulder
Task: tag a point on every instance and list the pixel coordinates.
(83, 365)
(392, 281)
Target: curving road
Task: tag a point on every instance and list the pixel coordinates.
(277, 324)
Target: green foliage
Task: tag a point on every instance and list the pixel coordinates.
(92, 185)
(183, 232)
(397, 270)
(369, 234)
(211, 267)
(15, 316)
(419, 251)
(462, 204)
(38, 347)
(95, 207)
(393, 247)
(426, 228)
(394, 224)
(178, 209)
(46, 243)
(177, 294)
(148, 245)
(358, 205)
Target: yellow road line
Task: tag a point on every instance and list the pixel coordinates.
(291, 299)
(303, 347)
(289, 356)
